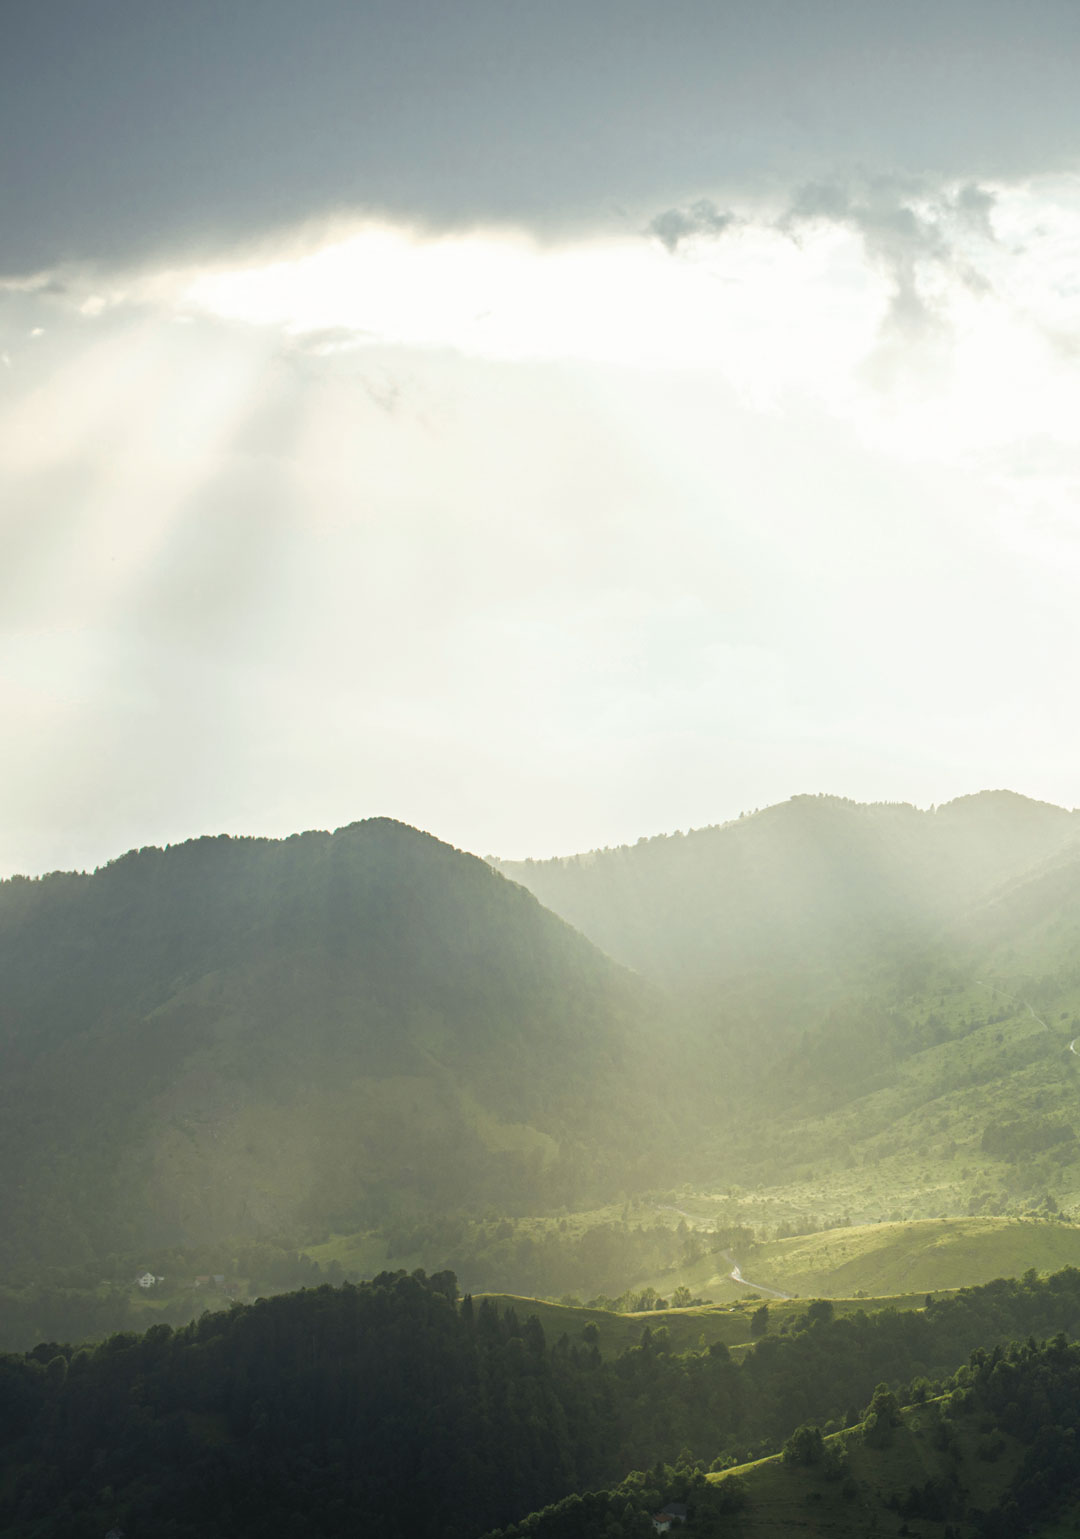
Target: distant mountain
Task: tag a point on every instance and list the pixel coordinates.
(248, 1035)
(817, 883)
(823, 954)
(1032, 923)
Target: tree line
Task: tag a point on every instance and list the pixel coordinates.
(394, 1402)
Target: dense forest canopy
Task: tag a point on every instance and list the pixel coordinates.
(445, 1418)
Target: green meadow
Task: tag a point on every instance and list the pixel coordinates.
(789, 1499)
(921, 1256)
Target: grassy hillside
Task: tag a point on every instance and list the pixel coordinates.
(983, 1120)
(922, 1256)
(990, 1450)
(913, 1257)
(681, 1330)
(256, 1036)
(790, 1499)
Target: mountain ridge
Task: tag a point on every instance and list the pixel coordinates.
(228, 1034)
(621, 896)
(252, 1036)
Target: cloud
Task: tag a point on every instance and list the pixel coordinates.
(700, 218)
(912, 234)
(919, 235)
(328, 340)
(146, 133)
(973, 206)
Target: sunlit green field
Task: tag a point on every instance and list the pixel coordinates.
(687, 1329)
(911, 1257)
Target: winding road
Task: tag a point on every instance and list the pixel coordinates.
(1039, 1018)
(773, 1293)
(735, 1274)
(1012, 998)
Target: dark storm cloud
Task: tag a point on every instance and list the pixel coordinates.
(973, 207)
(907, 231)
(132, 128)
(701, 218)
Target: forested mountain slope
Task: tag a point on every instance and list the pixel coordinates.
(808, 948)
(816, 882)
(244, 1035)
(1029, 928)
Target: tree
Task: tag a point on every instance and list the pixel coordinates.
(882, 1416)
(820, 1309)
(805, 1445)
(759, 1321)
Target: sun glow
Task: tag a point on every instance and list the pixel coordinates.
(150, 410)
(937, 351)
(749, 307)
(528, 510)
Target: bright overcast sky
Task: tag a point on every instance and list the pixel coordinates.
(543, 424)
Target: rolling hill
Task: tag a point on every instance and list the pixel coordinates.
(918, 1257)
(934, 1469)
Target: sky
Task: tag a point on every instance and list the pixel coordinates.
(546, 425)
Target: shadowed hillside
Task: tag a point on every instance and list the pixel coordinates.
(389, 1405)
(244, 1035)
